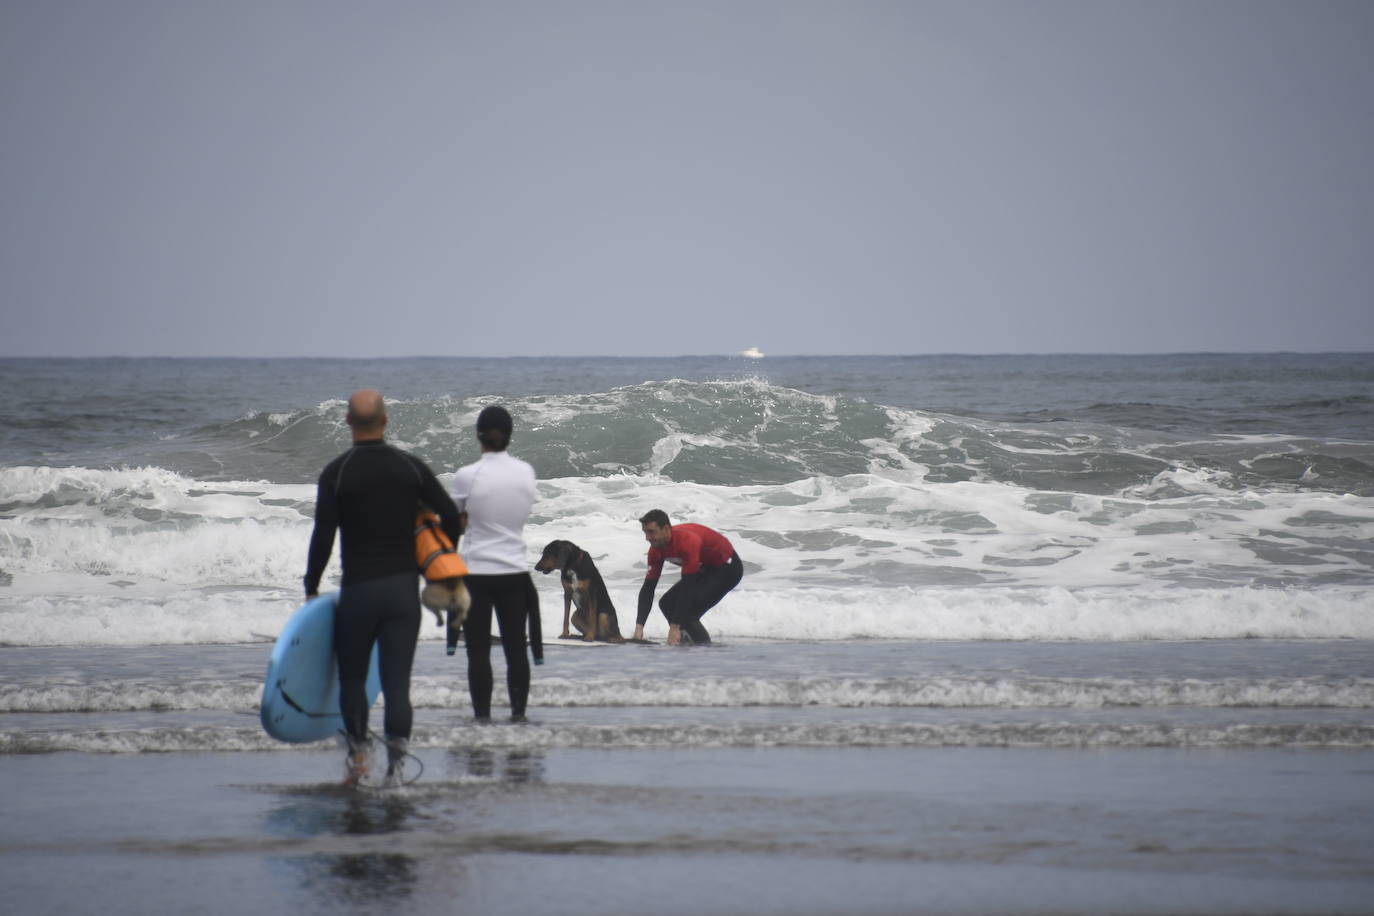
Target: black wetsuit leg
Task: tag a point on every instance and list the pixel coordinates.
(713, 584)
(385, 610)
(509, 595)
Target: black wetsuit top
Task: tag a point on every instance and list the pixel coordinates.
(371, 493)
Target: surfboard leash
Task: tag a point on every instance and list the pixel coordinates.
(406, 759)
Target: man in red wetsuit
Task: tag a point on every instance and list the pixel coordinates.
(710, 568)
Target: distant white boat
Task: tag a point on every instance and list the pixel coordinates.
(752, 353)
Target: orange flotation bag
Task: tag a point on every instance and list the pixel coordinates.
(434, 552)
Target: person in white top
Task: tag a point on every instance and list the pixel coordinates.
(495, 495)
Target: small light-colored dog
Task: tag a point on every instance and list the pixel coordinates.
(444, 593)
(447, 596)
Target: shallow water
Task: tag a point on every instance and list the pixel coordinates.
(755, 776)
(744, 693)
(703, 830)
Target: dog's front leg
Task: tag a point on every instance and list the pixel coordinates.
(567, 609)
(593, 618)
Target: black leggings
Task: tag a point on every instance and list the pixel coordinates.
(385, 611)
(714, 582)
(513, 597)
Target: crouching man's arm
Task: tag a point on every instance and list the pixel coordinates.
(646, 604)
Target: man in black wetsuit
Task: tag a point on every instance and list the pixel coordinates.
(370, 494)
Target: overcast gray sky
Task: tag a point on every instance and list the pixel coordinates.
(258, 177)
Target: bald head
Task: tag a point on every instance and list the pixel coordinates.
(366, 414)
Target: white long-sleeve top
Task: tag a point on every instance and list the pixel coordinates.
(497, 491)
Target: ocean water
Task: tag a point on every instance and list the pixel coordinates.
(1071, 623)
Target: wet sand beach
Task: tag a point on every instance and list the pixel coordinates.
(701, 831)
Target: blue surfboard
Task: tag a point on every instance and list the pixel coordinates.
(300, 698)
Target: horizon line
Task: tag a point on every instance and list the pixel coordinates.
(731, 355)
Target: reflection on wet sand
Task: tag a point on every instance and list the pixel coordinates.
(516, 767)
(366, 876)
(366, 847)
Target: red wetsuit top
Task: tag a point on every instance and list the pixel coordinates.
(692, 547)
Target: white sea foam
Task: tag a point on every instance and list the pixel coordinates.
(150, 617)
(1046, 614)
(849, 734)
(608, 691)
(135, 695)
(144, 556)
(171, 616)
(925, 692)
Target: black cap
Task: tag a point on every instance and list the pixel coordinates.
(494, 417)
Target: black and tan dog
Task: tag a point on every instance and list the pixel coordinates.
(582, 586)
